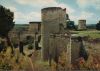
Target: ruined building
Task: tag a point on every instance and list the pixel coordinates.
(82, 25)
(34, 27)
(21, 31)
(53, 22)
(51, 35)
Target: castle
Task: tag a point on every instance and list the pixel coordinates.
(82, 25)
(55, 39)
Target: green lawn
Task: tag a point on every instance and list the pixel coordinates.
(91, 34)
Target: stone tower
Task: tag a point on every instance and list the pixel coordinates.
(82, 25)
(52, 20)
(34, 27)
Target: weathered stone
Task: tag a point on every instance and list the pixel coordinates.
(34, 27)
(82, 25)
(52, 19)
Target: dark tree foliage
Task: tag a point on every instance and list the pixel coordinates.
(6, 21)
(70, 25)
(98, 26)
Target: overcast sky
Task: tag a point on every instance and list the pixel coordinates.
(30, 10)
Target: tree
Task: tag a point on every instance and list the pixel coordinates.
(98, 26)
(70, 25)
(6, 22)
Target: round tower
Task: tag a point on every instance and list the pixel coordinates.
(52, 18)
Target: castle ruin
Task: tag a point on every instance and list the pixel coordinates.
(53, 21)
(52, 36)
(82, 25)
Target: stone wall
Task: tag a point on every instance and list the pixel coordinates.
(75, 50)
(57, 45)
(82, 25)
(34, 27)
(52, 18)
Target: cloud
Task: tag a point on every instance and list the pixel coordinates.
(12, 8)
(89, 3)
(39, 4)
(32, 16)
(83, 15)
(69, 9)
(45, 3)
(22, 17)
(36, 15)
(82, 3)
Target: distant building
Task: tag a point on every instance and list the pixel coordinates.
(34, 27)
(82, 25)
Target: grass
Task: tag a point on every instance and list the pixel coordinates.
(7, 62)
(91, 34)
(36, 64)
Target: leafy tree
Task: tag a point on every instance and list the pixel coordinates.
(70, 25)
(6, 22)
(98, 26)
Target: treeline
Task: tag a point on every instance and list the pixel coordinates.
(71, 26)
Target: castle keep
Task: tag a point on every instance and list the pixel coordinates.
(53, 19)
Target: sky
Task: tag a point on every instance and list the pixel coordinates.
(30, 10)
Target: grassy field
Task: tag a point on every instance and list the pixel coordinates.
(91, 34)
